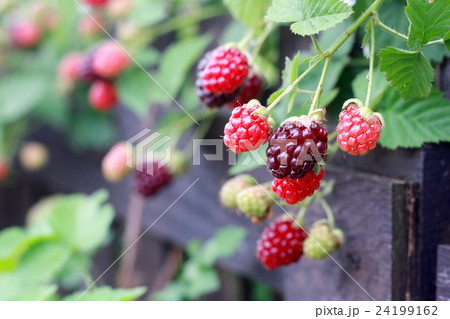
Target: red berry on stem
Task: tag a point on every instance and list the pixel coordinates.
(151, 179)
(247, 130)
(110, 60)
(280, 244)
(96, 3)
(296, 190)
(356, 135)
(102, 95)
(251, 90)
(114, 164)
(25, 34)
(226, 70)
(208, 98)
(295, 147)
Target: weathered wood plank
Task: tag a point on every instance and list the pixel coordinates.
(443, 273)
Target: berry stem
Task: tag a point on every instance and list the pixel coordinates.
(330, 51)
(262, 38)
(372, 62)
(316, 44)
(243, 44)
(319, 90)
(328, 211)
(304, 209)
(384, 27)
(305, 91)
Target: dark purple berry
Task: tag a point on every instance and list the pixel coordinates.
(151, 179)
(295, 148)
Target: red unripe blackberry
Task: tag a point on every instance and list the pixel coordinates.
(25, 34)
(102, 95)
(280, 244)
(295, 147)
(208, 98)
(151, 179)
(110, 60)
(247, 130)
(294, 190)
(69, 67)
(356, 135)
(96, 3)
(251, 90)
(4, 170)
(226, 70)
(114, 164)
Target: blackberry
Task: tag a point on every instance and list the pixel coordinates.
(251, 89)
(208, 98)
(151, 179)
(294, 146)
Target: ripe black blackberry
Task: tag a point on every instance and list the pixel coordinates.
(208, 98)
(292, 147)
(147, 183)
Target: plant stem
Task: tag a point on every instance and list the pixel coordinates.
(328, 211)
(305, 91)
(372, 62)
(316, 44)
(243, 44)
(319, 90)
(434, 42)
(185, 20)
(384, 27)
(304, 209)
(330, 51)
(262, 38)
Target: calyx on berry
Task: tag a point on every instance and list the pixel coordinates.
(366, 112)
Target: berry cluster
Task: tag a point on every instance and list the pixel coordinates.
(223, 76)
(99, 67)
(241, 193)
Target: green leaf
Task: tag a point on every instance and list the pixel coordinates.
(412, 123)
(224, 244)
(148, 57)
(174, 291)
(428, 20)
(309, 16)
(176, 63)
(447, 41)
(14, 242)
(249, 12)
(360, 84)
(107, 294)
(409, 72)
(134, 90)
(201, 281)
(42, 261)
(19, 94)
(82, 221)
(15, 288)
